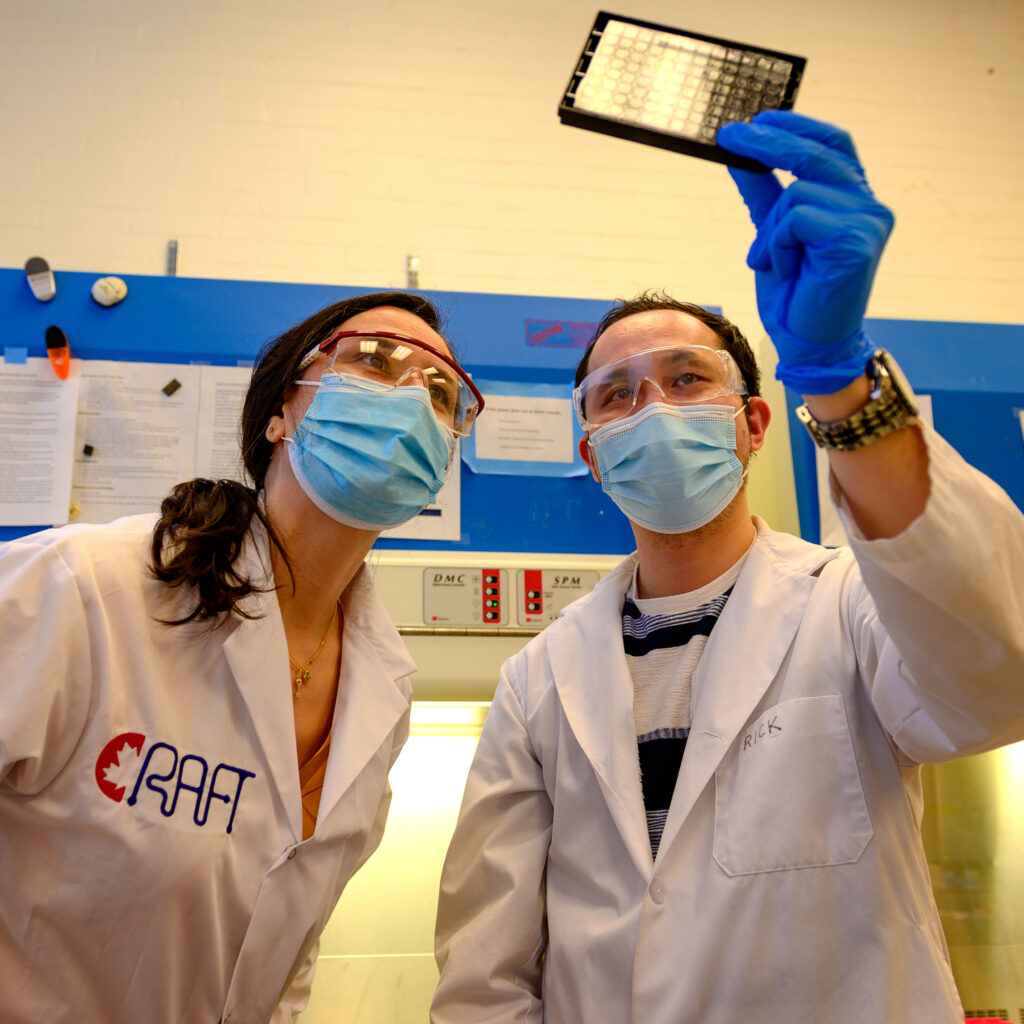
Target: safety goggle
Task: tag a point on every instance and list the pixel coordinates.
(397, 361)
(680, 374)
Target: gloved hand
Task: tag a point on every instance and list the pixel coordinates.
(817, 248)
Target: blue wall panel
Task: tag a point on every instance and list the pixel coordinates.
(975, 375)
(507, 337)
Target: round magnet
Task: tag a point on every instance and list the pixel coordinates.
(109, 291)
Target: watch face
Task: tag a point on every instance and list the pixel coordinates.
(899, 380)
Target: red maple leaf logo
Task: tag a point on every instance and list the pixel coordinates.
(116, 765)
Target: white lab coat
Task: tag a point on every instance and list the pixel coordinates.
(791, 883)
(188, 896)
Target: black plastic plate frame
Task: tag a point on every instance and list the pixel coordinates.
(568, 114)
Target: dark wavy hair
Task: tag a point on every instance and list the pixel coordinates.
(732, 337)
(203, 523)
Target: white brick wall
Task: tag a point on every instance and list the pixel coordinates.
(323, 140)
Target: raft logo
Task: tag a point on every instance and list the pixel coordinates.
(118, 768)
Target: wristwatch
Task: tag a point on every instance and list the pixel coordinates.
(890, 407)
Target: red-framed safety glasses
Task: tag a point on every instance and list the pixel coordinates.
(396, 360)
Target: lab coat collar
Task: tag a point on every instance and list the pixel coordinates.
(367, 707)
(257, 654)
(590, 674)
(765, 609)
(743, 656)
(370, 700)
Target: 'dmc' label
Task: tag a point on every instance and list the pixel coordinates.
(464, 597)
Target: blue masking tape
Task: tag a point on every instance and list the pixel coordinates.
(13, 354)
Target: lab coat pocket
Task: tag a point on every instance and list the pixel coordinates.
(788, 794)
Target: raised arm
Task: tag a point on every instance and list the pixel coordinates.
(818, 244)
(938, 626)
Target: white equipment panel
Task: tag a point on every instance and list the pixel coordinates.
(462, 614)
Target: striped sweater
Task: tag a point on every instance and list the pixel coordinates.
(664, 638)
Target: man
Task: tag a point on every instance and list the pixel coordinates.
(774, 870)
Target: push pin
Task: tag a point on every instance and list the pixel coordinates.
(171, 386)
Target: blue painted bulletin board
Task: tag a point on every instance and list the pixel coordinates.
(974, 374)
(515, 338)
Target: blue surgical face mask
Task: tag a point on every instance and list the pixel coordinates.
(670, 468)
(368, 455)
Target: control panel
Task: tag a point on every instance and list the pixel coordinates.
(462, 614)
(543, 593)
(454, 596)
(460, 596)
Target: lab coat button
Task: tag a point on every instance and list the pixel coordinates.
(657, 891)
(291, 852)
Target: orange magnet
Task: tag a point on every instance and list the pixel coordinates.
(59, 351)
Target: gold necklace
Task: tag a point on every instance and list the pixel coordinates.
(302, 674)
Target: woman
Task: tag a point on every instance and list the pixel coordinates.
(200, 712)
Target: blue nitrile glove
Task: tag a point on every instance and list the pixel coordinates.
(817, 248)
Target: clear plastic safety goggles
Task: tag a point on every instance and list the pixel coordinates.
(679, 374)
(397, 361)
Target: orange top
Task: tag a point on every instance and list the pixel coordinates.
(311, 784)
(60, 360)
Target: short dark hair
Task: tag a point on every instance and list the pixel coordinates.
(732, 337)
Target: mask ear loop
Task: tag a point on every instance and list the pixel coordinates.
(302, 382)
(745, 409)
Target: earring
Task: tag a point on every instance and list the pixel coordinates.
(271, 432)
